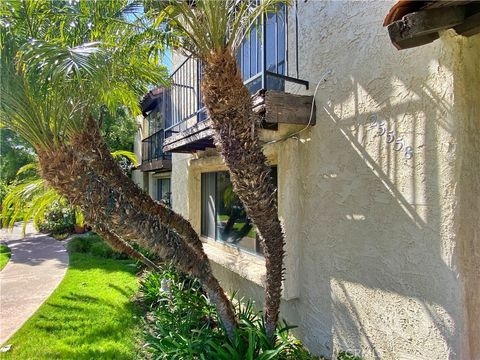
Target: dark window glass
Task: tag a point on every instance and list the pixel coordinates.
(155, 118)
(253, 52)
(271, 42)
(164, 193)
(223, 216)
(281, 41)
(208, 204)
(250, 54)
(168, 108)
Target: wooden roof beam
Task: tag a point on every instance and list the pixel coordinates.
(421, 27)
(471, 25)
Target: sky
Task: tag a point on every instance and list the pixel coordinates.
(166, 59)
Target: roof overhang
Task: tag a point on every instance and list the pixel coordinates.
(415, 23)
(149, 100)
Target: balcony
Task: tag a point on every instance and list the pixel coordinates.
(263, 63)
(153, 157)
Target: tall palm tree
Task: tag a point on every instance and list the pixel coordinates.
(61, 62)
(212, 31)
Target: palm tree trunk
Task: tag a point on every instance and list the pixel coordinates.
(122, 246)
(69, 172)
(93, 147)
(229, 107)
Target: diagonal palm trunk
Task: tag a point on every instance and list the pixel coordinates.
(108, 207)
(229, 106)
(94, 149)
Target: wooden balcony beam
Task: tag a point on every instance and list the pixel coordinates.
(275, 107)
(156, 165)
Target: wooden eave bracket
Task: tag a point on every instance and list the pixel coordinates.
(470, 26)
(422, 27)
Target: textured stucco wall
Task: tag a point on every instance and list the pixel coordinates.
(467, 109)
(377, 270)
(137, 175)
(383, 250)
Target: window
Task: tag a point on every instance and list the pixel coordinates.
(250, 54)
(223, 216)
(164, 193)
(145, 181)
(155, 120)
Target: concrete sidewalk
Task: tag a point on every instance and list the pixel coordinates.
(37, 266)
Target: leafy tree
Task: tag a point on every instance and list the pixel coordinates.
(118, 129)
(61, 63)
(213, 32)
(14, 153)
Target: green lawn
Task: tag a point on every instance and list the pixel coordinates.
(89, 316)
(4, 255)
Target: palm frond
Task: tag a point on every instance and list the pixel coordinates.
(24, 199)
(125, 154)
(62, 61)
(28, 167)
(207, 26)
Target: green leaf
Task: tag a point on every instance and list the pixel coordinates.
(126, 154)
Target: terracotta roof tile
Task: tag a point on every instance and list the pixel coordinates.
(400, 9)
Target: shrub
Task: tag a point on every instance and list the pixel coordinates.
(58, 219)
(343, 355)
(94, 244)
(185, 325)
(60, 236)
(3, 193)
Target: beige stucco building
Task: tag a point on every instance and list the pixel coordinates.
(380, 198)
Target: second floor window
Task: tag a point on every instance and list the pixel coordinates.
(250, 54)
(155, 120)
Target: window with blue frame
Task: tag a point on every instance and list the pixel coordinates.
(250, 54)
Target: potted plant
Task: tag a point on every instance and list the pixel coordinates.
(79, 221)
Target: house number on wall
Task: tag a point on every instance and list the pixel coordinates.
(398, 142)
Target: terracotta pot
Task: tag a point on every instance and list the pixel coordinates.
(79, 229)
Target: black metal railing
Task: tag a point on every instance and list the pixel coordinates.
(182, 102)
(152, 148)
(263, 61)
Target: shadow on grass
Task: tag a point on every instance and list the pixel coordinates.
(123, 291)
(89, 316)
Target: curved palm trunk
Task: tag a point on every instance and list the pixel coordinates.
(229, 107)
(70, 172)
(122, 246)
(94, 149)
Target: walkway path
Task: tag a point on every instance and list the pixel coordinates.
(37, 266)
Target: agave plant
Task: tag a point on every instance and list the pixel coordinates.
(61, 62)
(213, 31)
